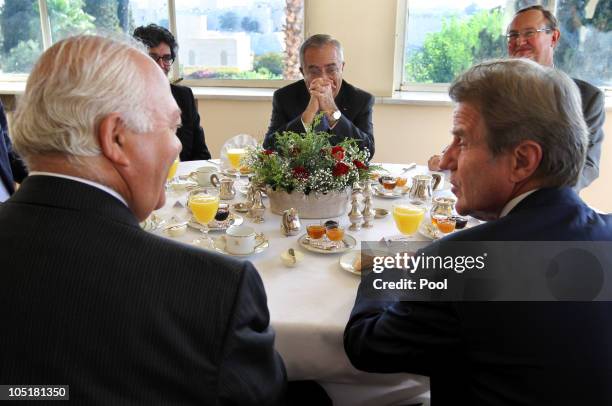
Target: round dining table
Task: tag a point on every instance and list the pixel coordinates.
(310, 303)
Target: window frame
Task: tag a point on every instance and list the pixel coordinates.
(47, 42)
(401, 23)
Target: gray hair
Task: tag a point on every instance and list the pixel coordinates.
(318, 41)
(521, 100)
(553, 23)
(73, 86)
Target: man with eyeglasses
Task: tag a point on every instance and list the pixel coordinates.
(347, 110)
(534, 34)
(162, 48)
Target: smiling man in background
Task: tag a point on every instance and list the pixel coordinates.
(347, 110)
(534, 34)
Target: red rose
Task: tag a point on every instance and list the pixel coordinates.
(337, 152)
(268, 151)
(359, 164)
(299, 172)
(340, 169)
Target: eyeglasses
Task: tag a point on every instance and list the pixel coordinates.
(527, 34)
(331, 70)
(168, 59)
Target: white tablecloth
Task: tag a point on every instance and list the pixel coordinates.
(310, 305)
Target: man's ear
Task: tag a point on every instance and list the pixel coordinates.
(112, 136)
(556, 35)
(526, 158)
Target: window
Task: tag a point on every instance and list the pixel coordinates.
(218, 39)
(239, 39)
(444, 37)
(21, 37)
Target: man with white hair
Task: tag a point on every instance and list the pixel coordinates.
(93, 301)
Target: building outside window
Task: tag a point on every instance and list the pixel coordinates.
(218, 39)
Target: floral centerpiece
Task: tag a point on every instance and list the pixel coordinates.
(308, 173)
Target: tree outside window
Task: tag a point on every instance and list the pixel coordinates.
(445, 37)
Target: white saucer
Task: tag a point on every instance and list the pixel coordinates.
(262, 242)
(349, 243)
(431, 232)
(232, 220)
(379, 191)
(347, 262)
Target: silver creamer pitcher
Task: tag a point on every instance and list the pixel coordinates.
(421, 190)
(290, 223)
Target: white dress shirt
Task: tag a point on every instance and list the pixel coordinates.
(512, 203)
(86, 181)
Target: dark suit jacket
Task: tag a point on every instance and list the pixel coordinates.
(190, 133)
(289, 103)
(499, 353)
(12, 168)
(593, 108)
(124, 316)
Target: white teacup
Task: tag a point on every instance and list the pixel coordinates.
(206, 176)
(240, 240)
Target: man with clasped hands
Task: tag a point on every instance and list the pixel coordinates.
(347, 110)
(89, 299)
(519, 143)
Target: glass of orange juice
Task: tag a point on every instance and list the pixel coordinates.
(204, 203)
(234, 156)
(408, 217)
(172, 170)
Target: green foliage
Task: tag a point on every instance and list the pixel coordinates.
(456, 47)
(105, 14)
(309, 163)
(21, 58)
(68, 18)
(272, 61)
(229, 73)
(19, 22)
(249, 25)
(228, 21)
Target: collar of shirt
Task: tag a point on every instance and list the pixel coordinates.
(512, 203)
(86, 181)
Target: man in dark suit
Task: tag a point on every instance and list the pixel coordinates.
(347, 110)
(12, 168)
(163, 48)
(93, 301)
(509, 163)
(534, 34)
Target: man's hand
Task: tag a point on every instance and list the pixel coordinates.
(434, 163)
(324, 91)
(311, 110)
